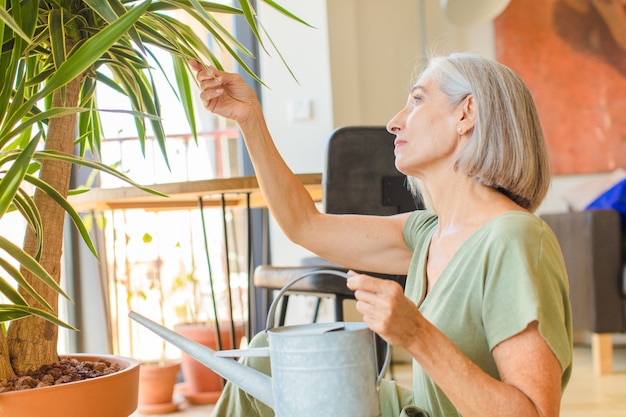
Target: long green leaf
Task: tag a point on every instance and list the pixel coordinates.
(10, 183)
(30, 14)
(31, 264)
(57, 36)
(89, 132)
(10, 62)
(103, 8)
(10, 292)
(147, 98)
(45, 116)
(170, 5)
(83, 56)
(151, 100)
(186, 39)
(250, 16)
(9, 312)
(178, 42)
(3, 6)
(286, 12)
(212, 25)
(126, 80)
(15, 99)
(105, 79)
(8, 20)
(7, 289)
(236, 57)
(60, 156)
(27, 208)
(56, 196)
(120, 9)
(158, 64)
(88, 53)
(129, 54)
(281, 56)
(186, 94)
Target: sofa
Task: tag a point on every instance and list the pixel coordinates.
(592, 242)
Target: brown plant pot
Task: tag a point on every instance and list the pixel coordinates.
(202, 385)
(113, 395)
(156, 387)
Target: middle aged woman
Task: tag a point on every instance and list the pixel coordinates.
(485, 314)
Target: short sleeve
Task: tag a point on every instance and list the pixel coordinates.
(419, 224)
(526, 281)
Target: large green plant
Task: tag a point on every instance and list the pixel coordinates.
(53, 52)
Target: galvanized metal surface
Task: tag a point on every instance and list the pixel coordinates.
(319, 369)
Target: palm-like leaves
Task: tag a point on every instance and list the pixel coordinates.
(48, 43)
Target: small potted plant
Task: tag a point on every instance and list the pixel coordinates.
(197, 310)
(157, 376)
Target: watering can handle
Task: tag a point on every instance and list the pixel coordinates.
(272, 311)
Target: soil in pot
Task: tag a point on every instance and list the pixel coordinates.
(110, 395)
(65, 370)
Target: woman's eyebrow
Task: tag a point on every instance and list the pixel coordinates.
(416, 88)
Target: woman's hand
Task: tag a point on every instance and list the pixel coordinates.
(225, 94)
(385, 308)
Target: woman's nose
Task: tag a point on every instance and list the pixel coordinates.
(393, 126)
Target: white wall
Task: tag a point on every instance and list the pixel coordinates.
(305, 49)
(300, 141)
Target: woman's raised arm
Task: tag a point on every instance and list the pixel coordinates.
(362, 242)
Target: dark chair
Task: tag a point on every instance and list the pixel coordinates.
(592, 245)
(359, 178)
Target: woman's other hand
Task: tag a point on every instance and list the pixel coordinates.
(385, 308)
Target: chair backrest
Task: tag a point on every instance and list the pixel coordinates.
(360, 176)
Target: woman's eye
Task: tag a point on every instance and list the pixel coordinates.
(417, 98)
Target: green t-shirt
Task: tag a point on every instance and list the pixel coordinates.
(507, 274)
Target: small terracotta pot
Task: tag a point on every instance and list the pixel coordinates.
(202, 385)
(156, 387)
(113, 395)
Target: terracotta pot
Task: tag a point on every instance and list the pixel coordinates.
(156, 387)
(113, 395)
(202, 385)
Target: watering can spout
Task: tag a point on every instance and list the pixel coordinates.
(250, 380)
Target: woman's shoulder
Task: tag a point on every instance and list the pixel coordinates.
(515, 221)
(419, 224)
(421, 219)
(520, 228)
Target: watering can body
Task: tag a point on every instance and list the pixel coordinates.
(324, 374)
(319, 369)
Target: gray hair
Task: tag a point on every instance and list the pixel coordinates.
(507, 149)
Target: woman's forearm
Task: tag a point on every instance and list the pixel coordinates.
(529, 382)
(286, 197)
(475, 393)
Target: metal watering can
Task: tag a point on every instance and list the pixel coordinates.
(318, 369)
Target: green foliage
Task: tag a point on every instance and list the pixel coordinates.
(48, 43)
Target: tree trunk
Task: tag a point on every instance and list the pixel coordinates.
(32, 341)
(6, 371)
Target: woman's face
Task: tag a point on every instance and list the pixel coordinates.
(425, 130)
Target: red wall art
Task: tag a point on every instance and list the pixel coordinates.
(572, 55)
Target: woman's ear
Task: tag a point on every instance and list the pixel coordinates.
(467, 117)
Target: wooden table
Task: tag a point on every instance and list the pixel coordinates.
(185, 195)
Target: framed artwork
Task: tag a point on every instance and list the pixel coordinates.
(572, 55)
